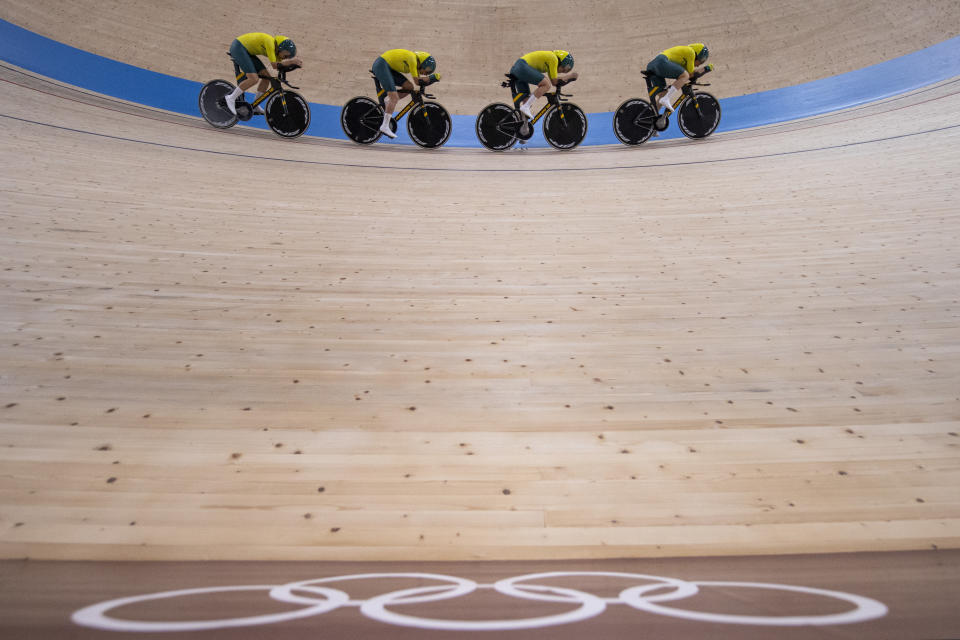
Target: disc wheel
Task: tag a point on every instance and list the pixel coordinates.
(699, 116)
(213, 106)
(565, 127)
(361, 118)
(497, 126)
(288, 114)
(634, 121)
(429, 125)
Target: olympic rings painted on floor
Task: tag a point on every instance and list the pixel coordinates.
(866, 608)
(323, 599)
(95, 615)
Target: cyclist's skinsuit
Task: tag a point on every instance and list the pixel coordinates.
(247, 47)
(530, 68)
(391, 65)
(671, 63)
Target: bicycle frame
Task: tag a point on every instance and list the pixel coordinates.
(552, 103)
(416, 97)
(275, 87)
(685, 92)
(266, 94)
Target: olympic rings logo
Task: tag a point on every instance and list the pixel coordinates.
(317, 599)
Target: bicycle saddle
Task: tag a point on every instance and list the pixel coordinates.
(512, 79)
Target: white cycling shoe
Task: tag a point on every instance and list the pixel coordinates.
(385, 130)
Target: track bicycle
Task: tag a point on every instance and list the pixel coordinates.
(698, 113)
(500, 126)
(429, 124)
(287, 113)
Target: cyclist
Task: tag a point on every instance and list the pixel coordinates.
(676, 62)
(280, 51)
(530, 69)
(408, 69)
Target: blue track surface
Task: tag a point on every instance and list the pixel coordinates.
(102, 75)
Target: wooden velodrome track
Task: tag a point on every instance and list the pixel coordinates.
(226, 346)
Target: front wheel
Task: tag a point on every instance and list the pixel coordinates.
(213, 106)
(361, 118)
(429, 125)
(565, 127)
(288, 114)
(497, 126)
(699, 115)
(634, 121)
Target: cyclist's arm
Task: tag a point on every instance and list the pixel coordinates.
(570, 75)
(410, 85)
(295, 60)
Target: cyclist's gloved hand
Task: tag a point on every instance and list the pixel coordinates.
(433, 77)
(708, 68)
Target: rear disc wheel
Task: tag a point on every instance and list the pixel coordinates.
(497, 126)
(213, 106)
(360, 119)
(634, 121)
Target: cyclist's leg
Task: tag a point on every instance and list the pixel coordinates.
(527, 75)
(243, 62)
(386, 78)
(663, 68)
(264, 84)
(656, 84)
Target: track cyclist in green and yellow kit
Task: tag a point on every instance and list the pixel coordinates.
(543, 69)
(409, 70)
(676, 62)
(279, 50)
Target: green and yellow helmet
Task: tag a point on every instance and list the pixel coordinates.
(426, 63)
(700, 49)
(286, 44)
(565, 58)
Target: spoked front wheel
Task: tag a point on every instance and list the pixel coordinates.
(429, 125)
(497, 126)
(565, 127)
(634, 121)
(288, 114)
(361, 118)
(213, 105)
(699, 115)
